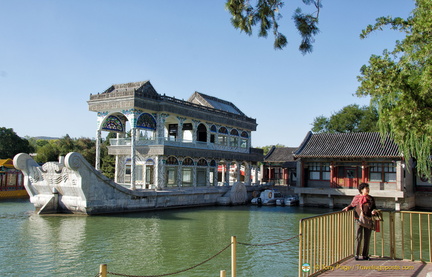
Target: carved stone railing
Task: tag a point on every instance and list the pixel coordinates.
(184, 143)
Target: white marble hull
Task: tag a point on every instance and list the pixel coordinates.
(74, 186)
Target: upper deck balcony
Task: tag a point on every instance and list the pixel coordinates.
(183, 144)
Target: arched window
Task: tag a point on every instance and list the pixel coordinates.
(146, 121)
(222, 137)
(234, 138)
(187, 172)
(202, 133)
(212, 136)
(188, 161)
(223, 130)
(113, 124)
(202, 162)
(172, 161)
(171, 171)
(244, 139)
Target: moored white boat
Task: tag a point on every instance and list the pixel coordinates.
(268, 197)
(291, 200)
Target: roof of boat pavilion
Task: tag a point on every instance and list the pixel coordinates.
(143, 95)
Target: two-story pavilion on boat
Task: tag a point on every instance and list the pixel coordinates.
(164, 142)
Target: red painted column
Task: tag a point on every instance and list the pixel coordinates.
(285, 175)
(364, 172)
(332, 185)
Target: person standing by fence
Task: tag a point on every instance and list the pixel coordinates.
(364, 205)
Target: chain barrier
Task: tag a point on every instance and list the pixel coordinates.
(266, 244)
(177, 272)
(205, 261)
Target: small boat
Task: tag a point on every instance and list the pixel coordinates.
(291, 200)
(11, 181)
(268, 197)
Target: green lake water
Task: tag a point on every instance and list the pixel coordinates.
(150, 243)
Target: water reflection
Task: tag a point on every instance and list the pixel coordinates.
(150, 243)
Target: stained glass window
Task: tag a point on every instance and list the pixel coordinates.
(223, 130)
(188, 161)
(146, 121)
(234, 132)
(172, 160)
(202, 162)
(113, 124)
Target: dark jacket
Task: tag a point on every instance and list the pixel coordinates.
(368, 206)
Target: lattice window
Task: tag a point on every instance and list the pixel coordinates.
(234, 132)
(244, 134)
(202, 162)
(188, 161)
(113, 124)
(186, 177)
(382, 172)
(319, 171)
(223, 130)
(172, 161)
(146, 121)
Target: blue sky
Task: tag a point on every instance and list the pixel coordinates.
(54, 54)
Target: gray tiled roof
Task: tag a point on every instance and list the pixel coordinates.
(283, 156)
(143, 86)
(214, 102)
(347, 145)
(280, 154)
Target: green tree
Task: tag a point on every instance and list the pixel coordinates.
(47, 153)
(11, 144)
(399, 83)
(65, 145)
(87, 148)
(266, 13)
(320, 124)
(267, 148)
(107, 161)
(350, 119)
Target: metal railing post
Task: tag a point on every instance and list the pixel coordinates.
(300, 248)
(392, 232)
(233, 256)
(103, 270)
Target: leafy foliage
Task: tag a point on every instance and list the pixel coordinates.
(50, 150)
(350, 119)
(107, 161)
(400, 84)
(267, 148)
(266, 14)
(11, 144)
